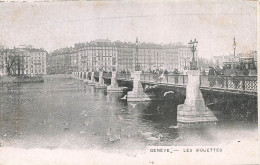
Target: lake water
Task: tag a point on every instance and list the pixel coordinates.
(65, 113)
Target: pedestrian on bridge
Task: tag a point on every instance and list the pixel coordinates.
(211, 76)
(217, 70)
(219, 77)
(235, 79)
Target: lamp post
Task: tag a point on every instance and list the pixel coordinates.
(157, 61)
(137, 66)
(193, 46)
(144, 61)
(234, 47)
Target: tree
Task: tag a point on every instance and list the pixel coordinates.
(10, 57)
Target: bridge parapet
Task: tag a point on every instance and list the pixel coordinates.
(89, 74)
(181, 80)
(96, 74)
(232, 83)
(237, 83)
(107, 75)
(246, 84)
(123, 76)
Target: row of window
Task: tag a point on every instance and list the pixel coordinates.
(35, 71)
(99, 54)
(36, 57)
(101, 48)
(94, 52)
(104, 63)
(34, 65)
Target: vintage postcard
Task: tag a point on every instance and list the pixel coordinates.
(129, 82)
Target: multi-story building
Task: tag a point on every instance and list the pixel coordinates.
(58, 63)
(63, 61)
(125, 57)
(73, 61)
(82, 60)
(163, 57)
(98, 55)
(23, 60)
(107, 56)
(34, 62)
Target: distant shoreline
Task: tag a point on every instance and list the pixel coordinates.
(12, 79)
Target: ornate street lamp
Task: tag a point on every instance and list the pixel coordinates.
(193, 46)
(137, 66)
(234, 47)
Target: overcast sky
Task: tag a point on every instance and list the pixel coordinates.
(53, 25)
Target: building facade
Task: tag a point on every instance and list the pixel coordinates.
(122, 56)
(98, 55)
(34, 62)
(163, 57)
(60, 62)
(23, 61)
(125, 58)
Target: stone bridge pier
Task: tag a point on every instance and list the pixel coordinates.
(101, 83)
(85, 77)
(80, 75)
(113, 87)
(194, 110)
(92, 79)
(137, 94)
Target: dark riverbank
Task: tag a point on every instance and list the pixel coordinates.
(21, 79)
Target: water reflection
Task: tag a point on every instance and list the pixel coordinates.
(116, 98)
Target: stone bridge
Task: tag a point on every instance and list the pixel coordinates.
(193, 91)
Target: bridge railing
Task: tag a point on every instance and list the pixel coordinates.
(233, 83)
(84, 75)
(96, 74)
(89, 74)
(165, 79)
(177, 79)
(243, 83)
(107, 75)
(123, 76)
